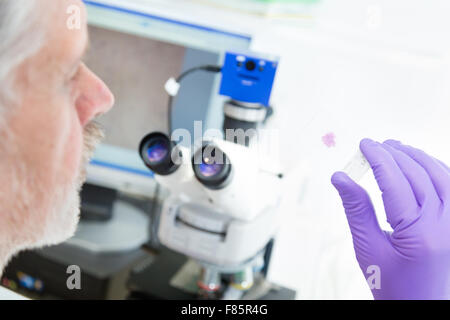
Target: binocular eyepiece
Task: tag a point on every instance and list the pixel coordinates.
(211, 166)
(160, 154)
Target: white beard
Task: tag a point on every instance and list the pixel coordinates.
(27, 228)
(62, 219)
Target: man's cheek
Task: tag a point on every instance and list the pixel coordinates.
(73, 152)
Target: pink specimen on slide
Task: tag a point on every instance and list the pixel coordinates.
(329, 139)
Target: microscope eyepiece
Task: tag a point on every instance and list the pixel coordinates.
(158, 152)
(212, 167)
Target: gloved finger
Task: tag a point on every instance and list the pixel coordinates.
(417, 176)
(442, 164)
(440, 177)
(360, 215)
(398, 196)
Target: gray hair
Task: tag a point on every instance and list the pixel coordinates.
(21, 37)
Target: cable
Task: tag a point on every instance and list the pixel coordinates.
(208, 68)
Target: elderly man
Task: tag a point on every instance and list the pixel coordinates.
(48, 101)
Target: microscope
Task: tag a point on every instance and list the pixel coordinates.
(222, 209)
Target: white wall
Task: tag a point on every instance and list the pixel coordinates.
(357, 78)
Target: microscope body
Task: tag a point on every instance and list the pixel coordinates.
(226, 230)
(222, 207)
(226, 226)
(208, 235)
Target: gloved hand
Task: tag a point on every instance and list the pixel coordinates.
(414, 260)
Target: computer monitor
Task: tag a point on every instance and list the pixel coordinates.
(135, 51)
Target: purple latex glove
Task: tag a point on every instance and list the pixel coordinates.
(414, 260)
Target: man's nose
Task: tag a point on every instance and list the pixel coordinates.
(95, 97)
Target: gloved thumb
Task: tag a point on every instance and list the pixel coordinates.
(360, 214)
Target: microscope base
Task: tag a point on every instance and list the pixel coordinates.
(154, 281)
